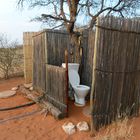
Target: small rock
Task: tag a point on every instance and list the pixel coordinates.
(28, 85)
(14, 88)
(31, 88)
(69, 128)
(82, 126)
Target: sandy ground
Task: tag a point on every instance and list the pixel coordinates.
(39, 126)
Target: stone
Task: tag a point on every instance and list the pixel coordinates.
(31, 88)
(82, 126)
(7, 93)
(14, 88)
(69, 128)
(28, 85)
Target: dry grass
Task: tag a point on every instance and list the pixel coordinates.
(119, 130)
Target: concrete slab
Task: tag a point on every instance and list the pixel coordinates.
(7, 93)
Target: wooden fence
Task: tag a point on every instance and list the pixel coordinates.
(116, 75)
(49, 79)
(56, 87)
(50, 45)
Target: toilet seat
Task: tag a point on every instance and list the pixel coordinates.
(82, 87)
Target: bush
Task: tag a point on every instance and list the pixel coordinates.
(10, 56)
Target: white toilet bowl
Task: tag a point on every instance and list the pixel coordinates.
(80, 93)
(80, 90)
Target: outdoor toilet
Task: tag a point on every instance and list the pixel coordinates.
(80, 90)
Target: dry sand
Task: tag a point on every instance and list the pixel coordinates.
(39, 126)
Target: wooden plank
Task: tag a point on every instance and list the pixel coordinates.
(56, 89)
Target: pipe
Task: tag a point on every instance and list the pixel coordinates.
(19, 116)
(16, 107)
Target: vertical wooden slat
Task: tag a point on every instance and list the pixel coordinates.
(66, 62)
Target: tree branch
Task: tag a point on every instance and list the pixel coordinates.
(58, 26)
(45, 16)
(93, 20)
(102, 5)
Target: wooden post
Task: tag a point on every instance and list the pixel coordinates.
(93, 131)
(67, 80)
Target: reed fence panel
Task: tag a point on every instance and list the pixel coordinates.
(28, 55)
(116, 82)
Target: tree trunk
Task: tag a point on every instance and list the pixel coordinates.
(42, 102)
(75, 48)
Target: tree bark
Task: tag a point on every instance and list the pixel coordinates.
(75, 47)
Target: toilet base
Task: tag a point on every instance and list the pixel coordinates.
(78, 105)
(80, 102)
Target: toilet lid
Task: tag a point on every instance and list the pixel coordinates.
(74, 78)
